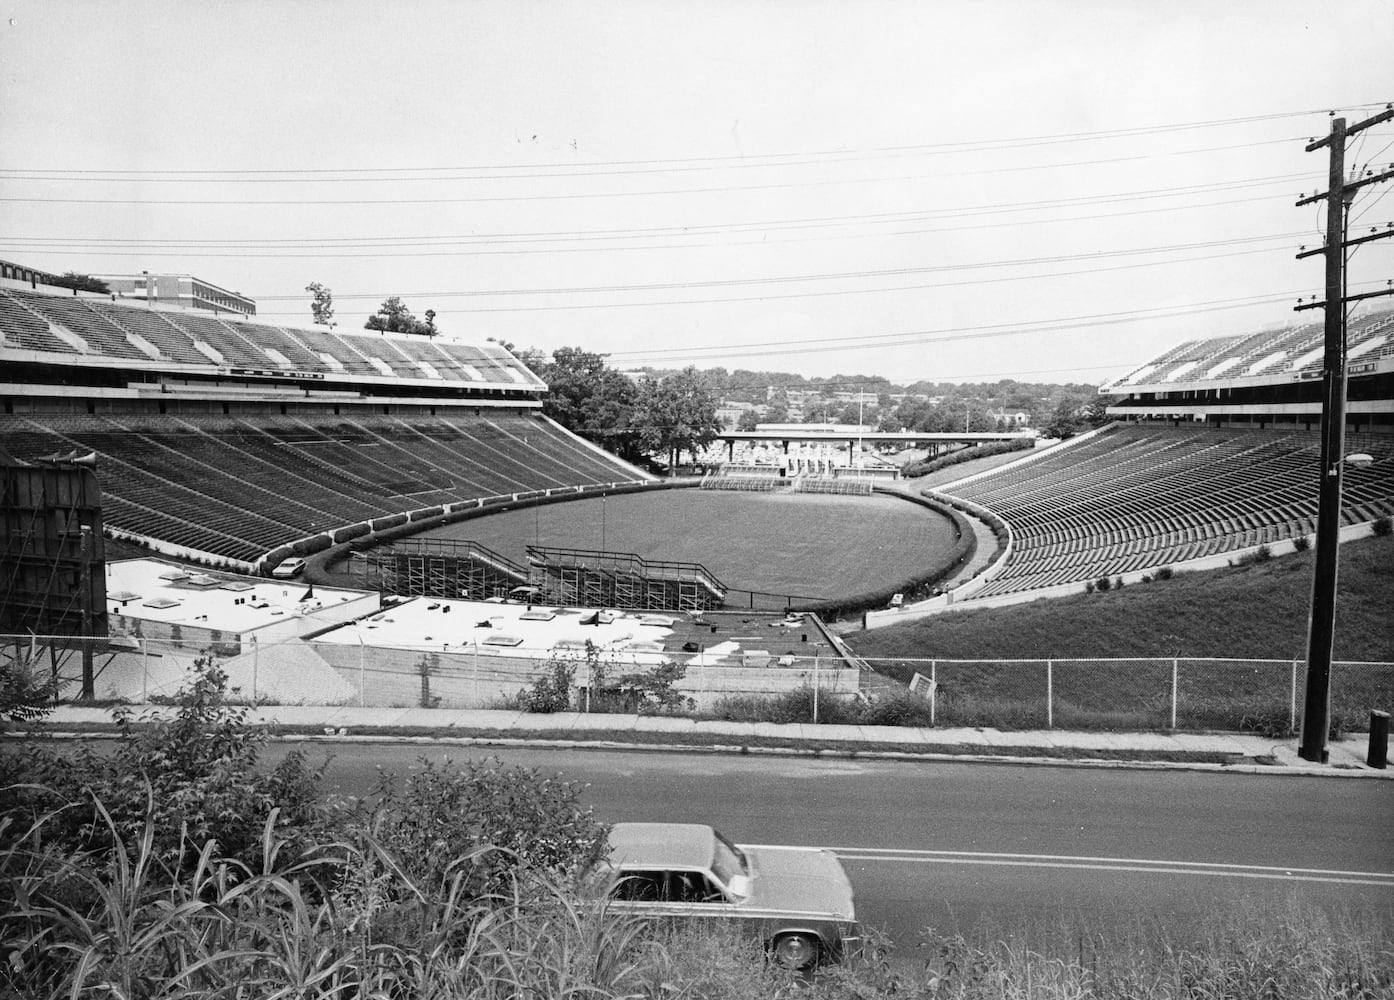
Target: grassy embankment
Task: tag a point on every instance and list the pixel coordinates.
(1256, 611)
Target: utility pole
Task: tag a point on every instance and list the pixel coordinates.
(1316, 710)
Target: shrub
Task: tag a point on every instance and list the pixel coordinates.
(1103, 584)
(925, 466)
(652, 690)
(897, 708)
(25, 695)
(1262, 554)
(552, 691)
(189, 778)
(352, 531)
(1275, 723)
(483, 823)
(1383, 526)
(790, 706)
(1301, 543)
(1165, 573)
(1089, 586)
(309, 546)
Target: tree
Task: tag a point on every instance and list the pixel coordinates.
(82, 283)
(590, 399)
(394, 316)
(676, 414)
(747, 421)
(1066, 421)
(321, 304)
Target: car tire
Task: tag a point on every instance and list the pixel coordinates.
(796, 951)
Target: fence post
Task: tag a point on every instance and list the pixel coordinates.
(815, 689)
(933, 690)
(144, 671)
(1175, 672)
(1292, 699)
(1050, 694)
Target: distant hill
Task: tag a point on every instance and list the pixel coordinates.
(1259, 610)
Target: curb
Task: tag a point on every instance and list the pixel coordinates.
(732, 749)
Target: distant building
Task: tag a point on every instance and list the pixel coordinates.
(183, 290)
(730, 413)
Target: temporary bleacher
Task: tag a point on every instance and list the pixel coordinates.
(1140, 496)
(240, 486)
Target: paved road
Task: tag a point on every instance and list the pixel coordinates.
(953, 845)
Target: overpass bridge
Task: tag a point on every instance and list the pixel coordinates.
(855, 437)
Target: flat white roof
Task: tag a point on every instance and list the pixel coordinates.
(154, 590)
(504, 629)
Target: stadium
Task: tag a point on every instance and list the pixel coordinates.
(424, 469)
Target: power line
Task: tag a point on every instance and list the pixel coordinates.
(437, 246)
(772, 296)
(906, 339)
(563, 171)
(585, 196)
(756, 159)
(784, 279)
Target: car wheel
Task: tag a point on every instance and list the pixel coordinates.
(796, 951)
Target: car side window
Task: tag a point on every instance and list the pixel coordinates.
(694, 887)
(647, 887)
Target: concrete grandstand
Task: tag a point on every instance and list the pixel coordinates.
(238, 442)
(1214, 452)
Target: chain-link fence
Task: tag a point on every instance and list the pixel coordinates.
(339, 670)
(1136, 694)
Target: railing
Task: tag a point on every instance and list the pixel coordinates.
(625, 562)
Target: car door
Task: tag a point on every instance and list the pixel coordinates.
(684, 894)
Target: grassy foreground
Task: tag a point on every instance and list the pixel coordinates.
(173, 866)
(1253, 611)
(344, 921)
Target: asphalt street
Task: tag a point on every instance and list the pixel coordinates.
(954, 846)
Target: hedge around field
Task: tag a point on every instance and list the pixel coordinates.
(309, 546)
(352, 531)
(925, 466)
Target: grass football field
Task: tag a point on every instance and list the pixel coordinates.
(809, 545)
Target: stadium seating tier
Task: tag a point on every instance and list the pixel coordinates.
(104, 325)
(241, 486)
(1140, 496)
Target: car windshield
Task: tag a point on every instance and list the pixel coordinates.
(728, 861)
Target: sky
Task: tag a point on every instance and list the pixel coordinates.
(1045, 191)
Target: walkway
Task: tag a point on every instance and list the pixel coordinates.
(1221, 751)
